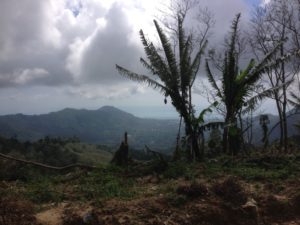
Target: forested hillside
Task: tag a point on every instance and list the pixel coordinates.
(103, 126)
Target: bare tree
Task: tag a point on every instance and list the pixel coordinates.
(275, 23)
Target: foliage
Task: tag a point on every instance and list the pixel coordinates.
(42, 190)
(237, 87)
(105, 183)
(179, 169)
(47, 150)
(104, 126)
(214, 141)
(176, 75)
(255, 168)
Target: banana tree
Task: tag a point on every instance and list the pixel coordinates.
(174, 71)
(236, 91)
(200, 127)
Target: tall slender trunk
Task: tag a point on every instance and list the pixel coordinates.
(241, 129)
(279, 110)
(284, 121)
(190, 101)
(192, 135)
(225, 134)
(251, 128)
(284, 103)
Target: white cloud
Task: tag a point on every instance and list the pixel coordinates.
(26, 75)
(73, 45)
(95, 92)
(265, 2)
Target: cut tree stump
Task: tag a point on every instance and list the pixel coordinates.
(121, 156)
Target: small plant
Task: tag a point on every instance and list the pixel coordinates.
(42, 191)
(105, 183)
(178, 169)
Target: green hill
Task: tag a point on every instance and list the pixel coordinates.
(103, 126)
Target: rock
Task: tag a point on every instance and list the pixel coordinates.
(90, 218)
(250, 207)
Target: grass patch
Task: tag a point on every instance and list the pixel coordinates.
(180, 169)
(107, 183)
(255, 169)
(42, 190)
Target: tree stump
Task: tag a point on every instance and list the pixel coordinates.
(121, 156)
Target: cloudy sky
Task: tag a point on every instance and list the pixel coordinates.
(62, 53)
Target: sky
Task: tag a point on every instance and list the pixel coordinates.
(62, 53)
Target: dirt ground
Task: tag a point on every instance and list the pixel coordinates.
(228, 201)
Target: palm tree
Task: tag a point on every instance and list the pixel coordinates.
(237, 88)
(174, 73)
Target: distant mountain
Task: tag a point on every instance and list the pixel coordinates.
(103, 126)
(107, 126)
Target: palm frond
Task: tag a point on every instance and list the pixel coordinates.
(212, 125)
(156, 61)
(184, 53)
(149, 66)
(295, 102)
(263, 66)
(142, 79)
(246, 72)
(196, 62)
(234, 28)
(212, 80)
(200, 118)
(170, 56)
(265, 94)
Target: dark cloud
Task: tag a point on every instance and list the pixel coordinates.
(29, 40)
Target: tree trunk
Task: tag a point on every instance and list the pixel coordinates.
(284, 103)
(279, 110)
(241, 129)
(225, 134)
(193, 145)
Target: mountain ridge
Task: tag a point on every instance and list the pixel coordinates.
(105, 125)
